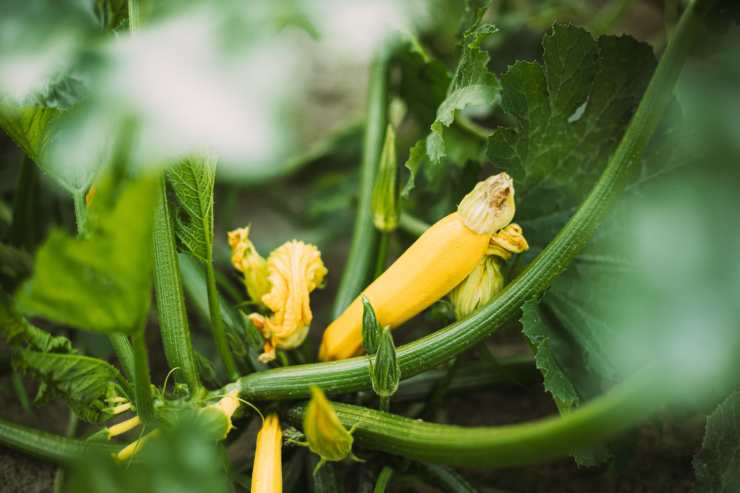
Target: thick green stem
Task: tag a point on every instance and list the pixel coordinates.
(142, 378)
(623, 407)
(173, 317)
(352, 374)
(217, 323)
(359, 261)
(47, 446)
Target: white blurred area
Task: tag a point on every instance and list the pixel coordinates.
(238, 79)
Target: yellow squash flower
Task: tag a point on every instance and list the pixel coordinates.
(282, 283)
(326, 435)
(267, 473)
(246, 259)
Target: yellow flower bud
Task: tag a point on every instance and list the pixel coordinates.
(508, 241)
(326, 435)
(246, 259)
(295, 270)
(483, 284)
(267, 472)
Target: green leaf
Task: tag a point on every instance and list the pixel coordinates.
(717, 464)
(101, 282)
(423, 84)
(85, 383)
(417, 158)
(570, 113)
(193, 181)
(28, 127)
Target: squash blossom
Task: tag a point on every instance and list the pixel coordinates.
(326, 435)
(267, 472)
(486, 280)
(282, 284)
(246, 259)
(430, 268)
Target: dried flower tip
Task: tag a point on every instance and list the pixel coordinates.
(482, 285)
(490, 205)
(326, 435)
(246, 259)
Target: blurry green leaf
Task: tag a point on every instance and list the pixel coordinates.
(424, 82)
(570, 113)
(182, 459)
(28, 127)
(717, 464)
(83, 382)
(473, 15)
(193, 181)
(417, 158)
(15, 266)
(101, 282)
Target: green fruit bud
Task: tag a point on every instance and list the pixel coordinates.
(386, 207)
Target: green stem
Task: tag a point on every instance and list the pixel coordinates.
(217, 323)
(382, 256)
(124, 352)
(23, 228)
(412, 224)
(359, 260)
(173, 317)
(384, 479)
(80, 212)
(142, 378)
(444, 478)
(47, 446)
(352, 374)
(59, 477)
(138, 11)
(623, 407)
(384, 403)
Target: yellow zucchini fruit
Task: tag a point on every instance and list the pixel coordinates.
(431, 267)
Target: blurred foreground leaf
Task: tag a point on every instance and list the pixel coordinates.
(101, 282)
(717, 464)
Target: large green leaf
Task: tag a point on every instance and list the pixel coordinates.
(101, 282)
(28, 127)
(193, 181)
(717, 464)
(569, 113)
(85, 383)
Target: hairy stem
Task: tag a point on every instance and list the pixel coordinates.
(173, 317)
(359, 261)
(142, 378)
(625, 406)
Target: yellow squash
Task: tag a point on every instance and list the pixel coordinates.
(267, 473)
(432, 266)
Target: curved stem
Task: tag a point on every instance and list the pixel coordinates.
(173, 317)
(384, 479)
(47, 446)
(623, 407)
(359, 261)
(352, 374)
(217, 323)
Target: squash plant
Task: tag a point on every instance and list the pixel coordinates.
(564, 152)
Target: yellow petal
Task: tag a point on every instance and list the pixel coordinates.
(246, 259)
(295, 270)
(326, 435)
(507, 241)
(483, 284)
(267, 473)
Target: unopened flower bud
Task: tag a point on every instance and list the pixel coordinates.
(483, 284)
(246, 259)
(386, 373)
(386, 207)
